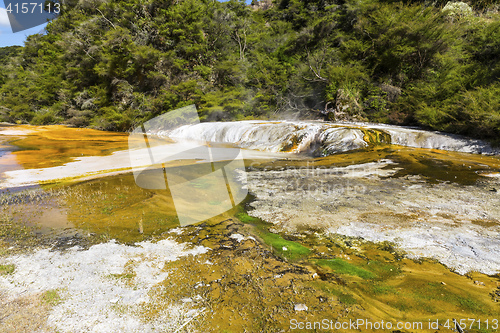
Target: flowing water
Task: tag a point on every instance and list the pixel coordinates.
(320, 139)
(424, 191)
(314, 189)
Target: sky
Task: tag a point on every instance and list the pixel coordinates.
(7, 38)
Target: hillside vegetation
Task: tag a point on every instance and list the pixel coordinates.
(113, 64)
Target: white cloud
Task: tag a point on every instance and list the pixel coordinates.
(4, 19)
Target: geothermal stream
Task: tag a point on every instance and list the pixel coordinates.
(452, 218)
(321, 138)
(431, 194)
(453, 223)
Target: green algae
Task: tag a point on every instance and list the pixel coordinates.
(7, 269)
(391, 286)
(13, 232)
(117, 208)
(284, 248)
(409, 289)
(52, 297)
(406, 288)
(381, 289)
(341, 266)
(347, 299)
(375, 137)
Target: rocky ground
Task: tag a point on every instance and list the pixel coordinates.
(227, 275)
(454, 223)
(352, 236)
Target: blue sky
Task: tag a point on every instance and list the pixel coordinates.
(7, 38)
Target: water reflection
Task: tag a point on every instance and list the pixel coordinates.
(8, 161)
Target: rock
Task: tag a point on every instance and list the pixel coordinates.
(495, 295)
(192, 313)
(479, 283)
(237, 237)
(457, 10)
(285, 248)
(444, 284)
(261, 5)
(392, 92)
(347, 107)
(301, 307)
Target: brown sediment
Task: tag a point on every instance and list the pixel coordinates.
(25, 314)
(62, 144)
(486, 223)
(375, 137)
(242, 285)
(434, 165)
(252, 284)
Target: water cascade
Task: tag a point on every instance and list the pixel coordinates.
(320, 138)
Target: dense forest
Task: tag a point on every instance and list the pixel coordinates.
(112, 64)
